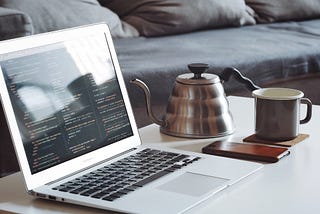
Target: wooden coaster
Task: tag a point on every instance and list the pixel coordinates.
(253, 139)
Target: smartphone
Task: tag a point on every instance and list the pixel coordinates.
(264, 153)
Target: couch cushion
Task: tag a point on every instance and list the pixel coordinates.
(284, 10)
(14, 23)
(163, 17)
(49, 15)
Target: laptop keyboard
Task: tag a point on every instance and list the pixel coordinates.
(126, 175)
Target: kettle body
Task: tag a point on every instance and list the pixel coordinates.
(198, 111)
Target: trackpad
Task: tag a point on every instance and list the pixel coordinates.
(193, 184)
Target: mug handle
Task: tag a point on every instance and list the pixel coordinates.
(309, 110)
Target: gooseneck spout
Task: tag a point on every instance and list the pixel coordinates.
(147, 93)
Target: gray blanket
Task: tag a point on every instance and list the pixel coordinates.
(261, 52)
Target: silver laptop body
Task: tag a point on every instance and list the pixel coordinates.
(69, 114)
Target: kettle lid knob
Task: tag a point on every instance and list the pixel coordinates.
(197, 69)
(198, 75)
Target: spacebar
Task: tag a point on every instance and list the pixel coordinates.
(151, 178)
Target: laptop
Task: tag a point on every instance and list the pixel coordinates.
(75, 135)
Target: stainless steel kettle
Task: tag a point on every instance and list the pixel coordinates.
(197, 106)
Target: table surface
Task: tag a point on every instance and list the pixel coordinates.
(288, 186)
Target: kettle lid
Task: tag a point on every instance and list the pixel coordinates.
(198, 75)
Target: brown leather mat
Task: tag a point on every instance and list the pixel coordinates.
(289, 143)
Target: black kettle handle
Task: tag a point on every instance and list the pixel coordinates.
(227, 72)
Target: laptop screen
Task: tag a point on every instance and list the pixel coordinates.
(66, 98)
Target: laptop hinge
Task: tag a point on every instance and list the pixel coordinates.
(96, 164)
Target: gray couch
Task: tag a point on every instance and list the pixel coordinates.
(272, 42)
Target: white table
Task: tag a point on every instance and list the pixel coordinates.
(290, 186)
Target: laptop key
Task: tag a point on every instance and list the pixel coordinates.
(65, 189)
(90, 192)
(117, 194)
(171, 169)
(79, 190)
(98, 195)
(180, 157)
(125, 191)
(132, 187)
(151, 178)
(109, 198)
